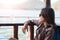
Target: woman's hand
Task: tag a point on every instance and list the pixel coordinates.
(24, 28)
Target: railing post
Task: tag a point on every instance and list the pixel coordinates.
(16, 31)
(31, 32)
(48, 3)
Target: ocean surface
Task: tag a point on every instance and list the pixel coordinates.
(19, 16)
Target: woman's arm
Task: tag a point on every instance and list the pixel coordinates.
(36, 22)
(29, 22)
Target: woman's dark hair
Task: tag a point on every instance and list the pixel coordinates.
(49, 15)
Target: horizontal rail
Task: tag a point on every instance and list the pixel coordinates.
(11, 24)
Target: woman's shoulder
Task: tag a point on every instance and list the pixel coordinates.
(50, 28)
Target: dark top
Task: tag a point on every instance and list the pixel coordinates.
(44, 33)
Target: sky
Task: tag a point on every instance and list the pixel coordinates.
(14, 3)
(20, 1)
(13, 13)
(52, 1)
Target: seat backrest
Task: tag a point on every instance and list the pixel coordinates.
(57, 33)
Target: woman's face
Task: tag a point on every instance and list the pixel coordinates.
(42, 19)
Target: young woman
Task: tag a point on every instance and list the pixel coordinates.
(46, 25)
